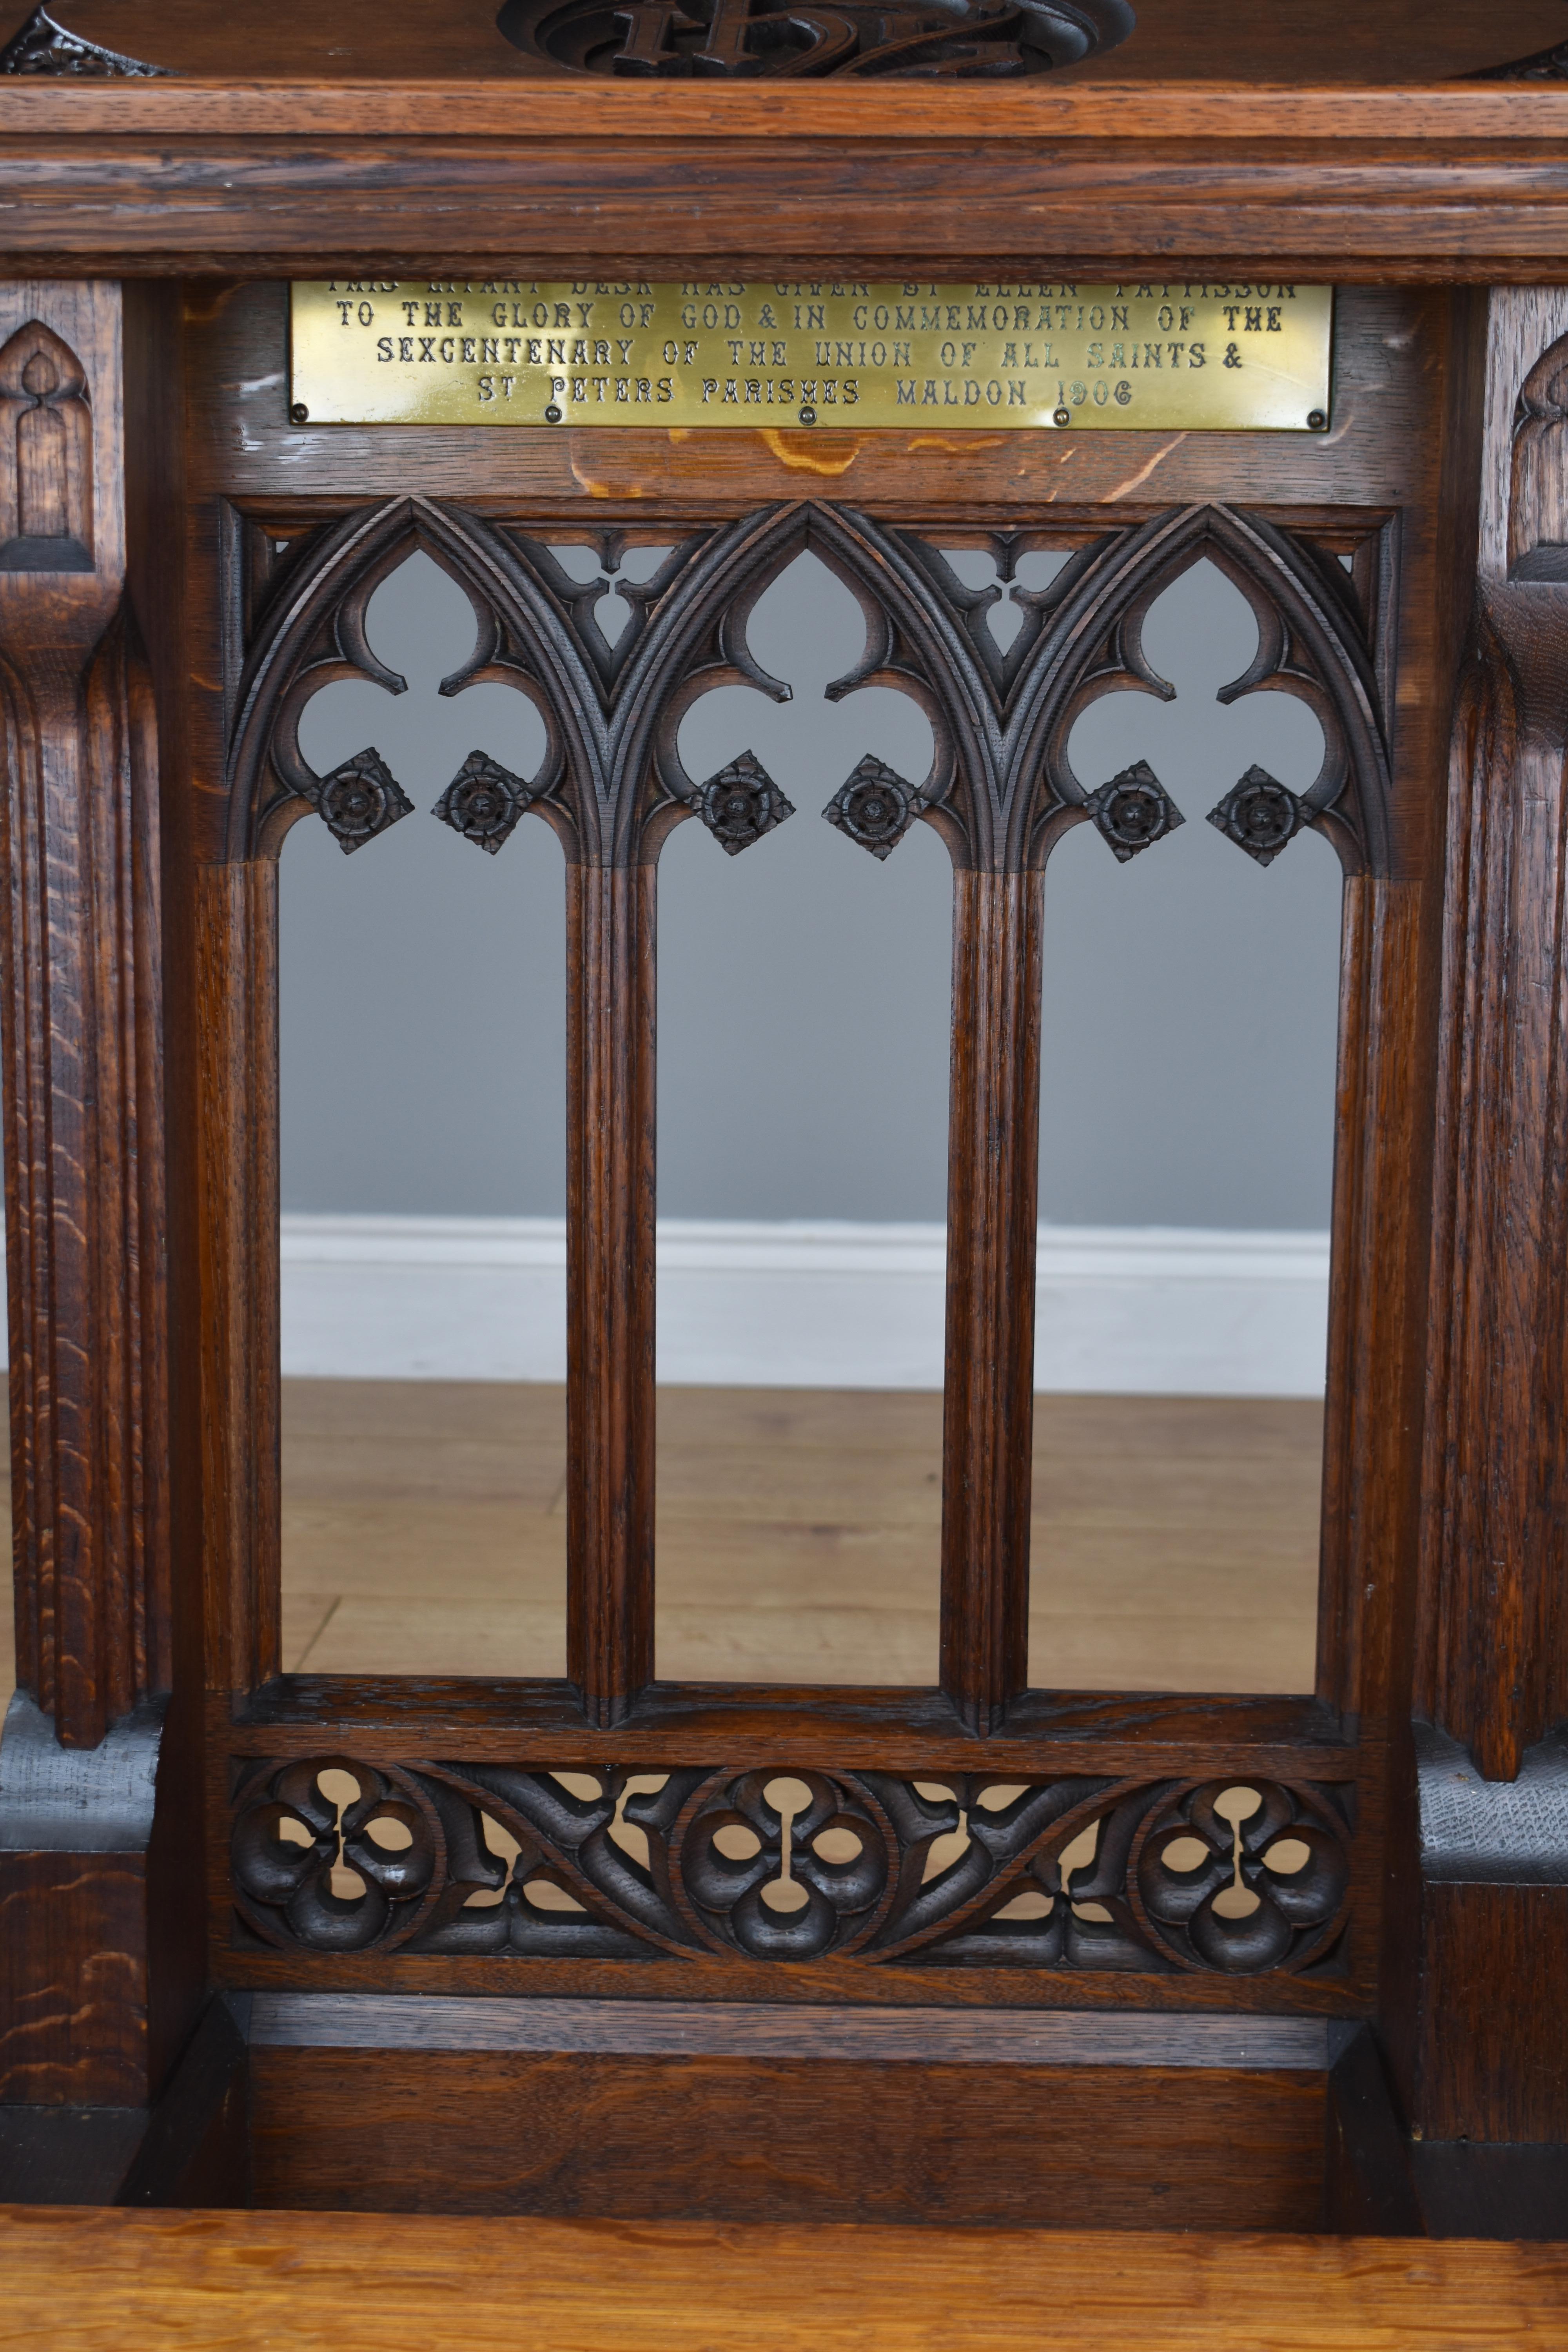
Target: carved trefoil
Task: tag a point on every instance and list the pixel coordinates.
(1158, 1877)
(45, 455)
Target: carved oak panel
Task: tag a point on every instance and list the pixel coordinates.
(1099, 1873)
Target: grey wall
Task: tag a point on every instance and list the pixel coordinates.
(1190, 995)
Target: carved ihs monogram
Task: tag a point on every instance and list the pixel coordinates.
(723, 39)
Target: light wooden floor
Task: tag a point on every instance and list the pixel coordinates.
(1174, 1539)
(81, 2280)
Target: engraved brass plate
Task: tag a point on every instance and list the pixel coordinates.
(966, 357)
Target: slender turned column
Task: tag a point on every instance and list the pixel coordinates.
(234, 917)
(993, 1185)
(610, 1203)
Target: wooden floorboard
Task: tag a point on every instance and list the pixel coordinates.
(83, 2281)
(1175, 1538)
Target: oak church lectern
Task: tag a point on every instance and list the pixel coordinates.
(199, 490)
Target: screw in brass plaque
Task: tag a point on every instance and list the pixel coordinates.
(862, 356)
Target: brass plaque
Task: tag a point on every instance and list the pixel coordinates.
(967, 357)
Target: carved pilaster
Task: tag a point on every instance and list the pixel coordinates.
(79, 1016)
(1493, 1676)
(80, 1009)
(1496, 1667)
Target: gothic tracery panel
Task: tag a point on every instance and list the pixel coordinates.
(1232, 1875)
(1001, 785)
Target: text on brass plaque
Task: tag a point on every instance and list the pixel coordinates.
(976, 355)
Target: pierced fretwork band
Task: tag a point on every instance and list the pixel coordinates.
(1000, 791)
(1154, 1876)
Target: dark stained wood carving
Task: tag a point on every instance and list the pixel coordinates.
(359, 800)
(1000, 791)
(1260, 814)
(875, 806)
(46, 456)
(1496, 1674)
(80, 939)
(794, 1866)
(1132, 811)
(732, 38)
(42, 46)
(1538, 472)
(741, 803)
(483, 802)
(1543, 64)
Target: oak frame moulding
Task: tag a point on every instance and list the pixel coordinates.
(206, 564)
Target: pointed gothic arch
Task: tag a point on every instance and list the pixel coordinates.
(45, 455)
(1001, 787)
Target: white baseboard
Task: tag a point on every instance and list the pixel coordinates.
(1135, 1310)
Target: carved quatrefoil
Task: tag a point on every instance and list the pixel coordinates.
(875, 806)
(1133, 810)
(359, 800)
(741, 803)
(483, 802)
(333, 1855)
(1260, 815)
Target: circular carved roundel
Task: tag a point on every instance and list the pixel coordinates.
(752, 39)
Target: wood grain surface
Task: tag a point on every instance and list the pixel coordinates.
(1420, 184)
(88, 2281)
(1175, 1538)
(738, 2140)
(760, 2030)
(1407, 42)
